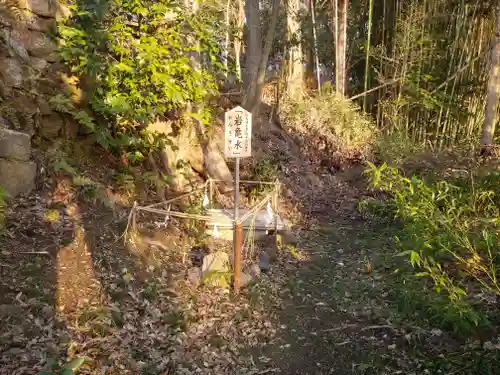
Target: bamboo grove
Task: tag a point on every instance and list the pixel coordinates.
(421, 68)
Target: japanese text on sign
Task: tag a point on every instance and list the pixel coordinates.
(238, 133)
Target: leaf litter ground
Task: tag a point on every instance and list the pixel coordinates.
(70, 288)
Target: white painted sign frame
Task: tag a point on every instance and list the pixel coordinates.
(238, 133)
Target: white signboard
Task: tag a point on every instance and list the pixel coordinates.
(238, 133)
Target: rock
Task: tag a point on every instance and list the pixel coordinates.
(14, 145)
(196, 255)
(5, 20)
(264, 261)
(13, 351)
(194, 275)
(15, 47)
(5, 123)
(70, 129)
(245, 279)
(5, 90)
(44, 8)
(215, 262)
(51, 125)
(48, 312)
(33, 22)
(38, 64)
(23, 102)
(43, 106)
(254, 272)
(63, 12)
(288, 238)
(186, 149)
(17, 177)
(216, 166)
(11, 72)
(36, 43)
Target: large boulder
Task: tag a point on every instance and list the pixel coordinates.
(36, 43)
(33, 22)
(215, 165)
(11, 72)
(186, 150)
(14, 145)
(17, 177)
(44, 8)
(203, 157)
(14, 47)
(51, 125)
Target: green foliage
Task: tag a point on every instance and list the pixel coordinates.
(61, 103)
(377, 208)
(217, 279)
(196, 228)
(135, 58)
(264, 169)
(69, 368)
(394, 148)
(451, 229)
(331, 117)
(439, 98)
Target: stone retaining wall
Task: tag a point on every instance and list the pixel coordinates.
(29, 76)
(17, 172)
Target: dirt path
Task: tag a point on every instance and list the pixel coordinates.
(332, 318)
(329, 308)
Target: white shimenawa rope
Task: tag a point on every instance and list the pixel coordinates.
(270, 213)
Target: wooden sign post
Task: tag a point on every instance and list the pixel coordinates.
(237, 144)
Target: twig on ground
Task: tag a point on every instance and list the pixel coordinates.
(151, 242)
(343, 343)
(378, 327)
(339, 328)
(132, 212)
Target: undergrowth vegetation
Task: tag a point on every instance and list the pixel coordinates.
(135, 62)
(450, 232)
(265, 169)
(332, 119)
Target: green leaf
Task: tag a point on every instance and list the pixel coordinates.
(414, 257)
(52, 363)
(74, 364)
(44, 373)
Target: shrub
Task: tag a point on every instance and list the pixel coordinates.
(133, 60)
(264, 169)
(330, 117)
(451, 228)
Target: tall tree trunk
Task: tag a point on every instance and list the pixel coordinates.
(340, 22)
(367, 58)
(226, 44)
(240, 23)
(295, 67)
(315, 43)
(254, 42)
(490, 109)
(252, 98)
